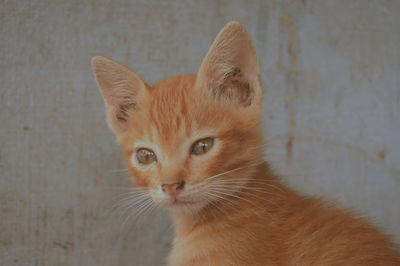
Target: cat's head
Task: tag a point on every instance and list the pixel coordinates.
(187, 138)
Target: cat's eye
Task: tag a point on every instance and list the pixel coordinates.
(145, 156)
(202, 146)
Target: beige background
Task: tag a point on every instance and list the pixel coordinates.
(332, 113)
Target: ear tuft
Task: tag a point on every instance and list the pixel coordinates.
(234, 87)
(230, 71)
(120, 88)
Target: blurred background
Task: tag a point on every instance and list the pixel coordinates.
(331, 113)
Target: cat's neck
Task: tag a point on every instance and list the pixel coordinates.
(263, 195)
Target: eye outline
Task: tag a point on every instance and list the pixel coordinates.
(197, 141)
(148, 150)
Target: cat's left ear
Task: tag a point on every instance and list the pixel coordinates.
(121, 89)
(230, 71)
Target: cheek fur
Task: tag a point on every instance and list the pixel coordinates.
(232, 153)
(138, 177)
(237, 149)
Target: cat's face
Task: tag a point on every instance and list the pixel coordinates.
(180, 139)
(189, 140)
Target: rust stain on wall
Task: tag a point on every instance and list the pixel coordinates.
(291, 41)
(67, 246)
(380, 156)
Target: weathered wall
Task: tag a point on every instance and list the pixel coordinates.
(332, 112)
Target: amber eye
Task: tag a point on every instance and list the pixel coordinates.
(145, 156)
(202, 146)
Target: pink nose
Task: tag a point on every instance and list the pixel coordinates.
(174, 188)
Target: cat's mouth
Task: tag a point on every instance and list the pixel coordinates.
(176, 202)
(190, 198)
(180, 203)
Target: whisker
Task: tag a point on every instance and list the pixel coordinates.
(135, 205)
(143, 209)
(250, 194)
(229, 189)
(247, 181)
(238, 197)
(119, 203)
(149, 210)
(129, 200)
(243, 187)
(221, 197)
(143, 205)
(133, 193)
(232, 170)
(212, 197)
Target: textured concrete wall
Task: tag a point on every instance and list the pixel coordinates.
(332, 113)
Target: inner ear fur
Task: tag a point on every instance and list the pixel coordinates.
(230, 71)
(121, 89)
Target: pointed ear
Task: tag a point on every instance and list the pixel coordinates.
(230, 71)
(120, 88)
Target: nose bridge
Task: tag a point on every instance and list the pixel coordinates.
(172, 173)
(172, 166)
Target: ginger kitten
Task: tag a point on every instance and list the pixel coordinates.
(194, 145)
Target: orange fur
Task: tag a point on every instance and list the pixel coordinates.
(233, 210)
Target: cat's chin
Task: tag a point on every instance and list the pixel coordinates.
(184, 207)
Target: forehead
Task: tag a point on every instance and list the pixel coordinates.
(167, 118)
(174, 115)
(171, 108)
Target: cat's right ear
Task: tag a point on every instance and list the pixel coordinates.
(121, 88)
(229, 72)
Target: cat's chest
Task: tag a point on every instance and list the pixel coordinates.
(198, 250)
(224, 246)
